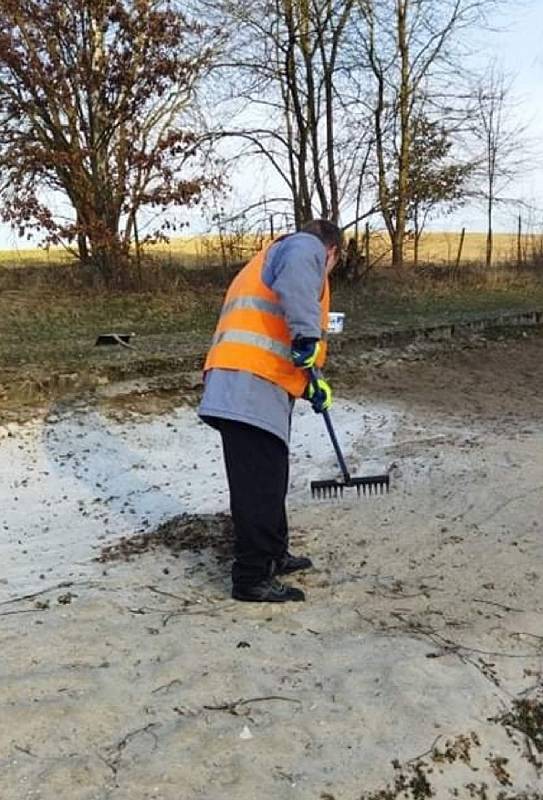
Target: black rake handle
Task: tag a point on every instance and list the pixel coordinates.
(326, 414)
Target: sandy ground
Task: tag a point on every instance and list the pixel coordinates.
(414, 670)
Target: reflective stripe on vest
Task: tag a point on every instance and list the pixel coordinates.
(257, 304)
(253, 303)
(255, 339)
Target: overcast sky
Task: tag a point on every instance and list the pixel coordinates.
(518, 47)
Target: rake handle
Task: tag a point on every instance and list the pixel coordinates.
(339, 454)
(331, 432)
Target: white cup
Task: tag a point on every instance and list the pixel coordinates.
(335, 321)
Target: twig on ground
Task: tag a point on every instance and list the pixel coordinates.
(455, 646)
(526, 633)
(62, 585)
(209, 612)
(21, 611)
(499, 605)
(536, 489)
(232, 707)
(185, 600)
(426, 753)
(26, 750)
(113, 764)
(398, 595)
(167, 685)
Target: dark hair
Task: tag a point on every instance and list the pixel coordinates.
(328, 232)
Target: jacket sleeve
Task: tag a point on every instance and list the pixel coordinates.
(296, 269)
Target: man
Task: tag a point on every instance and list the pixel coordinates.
(270, 332)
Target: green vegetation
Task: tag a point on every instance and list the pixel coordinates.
(49, 322)
(385, 305)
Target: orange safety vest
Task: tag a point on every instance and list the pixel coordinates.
(252, 334)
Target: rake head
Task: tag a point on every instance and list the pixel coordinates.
(369, 485)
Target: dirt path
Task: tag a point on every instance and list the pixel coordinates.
(414, 670)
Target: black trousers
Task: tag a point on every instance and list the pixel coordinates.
(257, 469)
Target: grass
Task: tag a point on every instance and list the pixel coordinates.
(49, 323)
(51, 330)
(387, 304)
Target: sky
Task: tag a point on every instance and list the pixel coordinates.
(518, 48)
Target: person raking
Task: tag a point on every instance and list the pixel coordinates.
(271, 330)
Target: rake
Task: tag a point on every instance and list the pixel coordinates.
(366, 485)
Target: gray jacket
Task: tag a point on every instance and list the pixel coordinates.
(295, 268)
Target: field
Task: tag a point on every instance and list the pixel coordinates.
(202, 250)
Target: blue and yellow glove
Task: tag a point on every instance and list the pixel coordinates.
(319, 394)
(304, 352)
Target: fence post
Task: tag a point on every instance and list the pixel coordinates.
(460, 248)
(519, 242)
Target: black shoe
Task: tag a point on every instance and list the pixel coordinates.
(291, 563)
(267, 592)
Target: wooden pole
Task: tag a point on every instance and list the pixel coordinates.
(519, 242)
(460, 248)
(367, 246)
(272, 232)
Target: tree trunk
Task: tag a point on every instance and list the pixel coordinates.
(417, 233)
(82, 245)
(489, 232)
(304, 193)
(378, 113)
(489, 238)
(397, 250)
(404, 112)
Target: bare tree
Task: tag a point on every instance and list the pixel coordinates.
(501, 146)
(92, 93)
(410, 48)
(287, 63)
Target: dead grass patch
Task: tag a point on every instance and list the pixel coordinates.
(192, 532)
